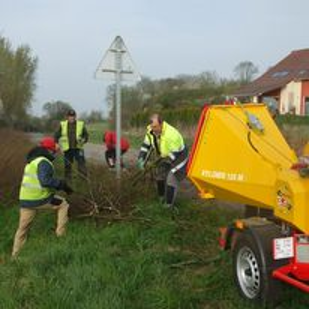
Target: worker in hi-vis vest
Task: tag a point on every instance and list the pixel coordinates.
(37, 191)
(71, 137)
(169, 145)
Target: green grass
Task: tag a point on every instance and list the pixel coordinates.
(96, 131)
(124, 265)
(292, 120)
(135, 137)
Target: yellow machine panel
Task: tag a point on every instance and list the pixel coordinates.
(240, 155)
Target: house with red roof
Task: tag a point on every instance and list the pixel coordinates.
(285, 85)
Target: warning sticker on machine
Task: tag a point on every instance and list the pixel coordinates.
(283, 248)
(222, 175)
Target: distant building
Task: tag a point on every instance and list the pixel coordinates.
(286, 85)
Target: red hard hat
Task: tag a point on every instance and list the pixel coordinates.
(48, 143)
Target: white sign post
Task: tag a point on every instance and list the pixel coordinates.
(117, 65)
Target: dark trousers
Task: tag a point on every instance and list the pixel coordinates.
(74, 155)
(168, 176)
(110, 157)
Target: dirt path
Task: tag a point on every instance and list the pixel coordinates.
(95, 152)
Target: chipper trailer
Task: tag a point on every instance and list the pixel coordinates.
(239, 155)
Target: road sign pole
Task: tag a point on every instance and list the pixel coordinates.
(118, 65)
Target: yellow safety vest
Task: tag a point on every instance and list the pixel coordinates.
(170, 141)
(64, 140)
(31, 188)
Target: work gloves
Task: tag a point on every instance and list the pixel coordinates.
(81, 140)
(65, 187)
(140, 164)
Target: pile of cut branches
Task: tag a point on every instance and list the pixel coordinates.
(102, 196)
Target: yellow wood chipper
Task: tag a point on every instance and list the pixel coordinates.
(239, 155)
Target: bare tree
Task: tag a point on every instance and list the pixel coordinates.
(245, 71)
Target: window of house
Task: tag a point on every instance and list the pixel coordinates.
(280, 74)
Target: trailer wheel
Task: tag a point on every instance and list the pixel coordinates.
(253, 265)
(251, 211)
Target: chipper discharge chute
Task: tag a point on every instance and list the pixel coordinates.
(240, 155)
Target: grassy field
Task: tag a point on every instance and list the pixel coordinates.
(134, 136)
(162, 261)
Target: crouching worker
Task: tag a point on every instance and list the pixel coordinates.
(169, 145)
(37, 191)
(109, 139)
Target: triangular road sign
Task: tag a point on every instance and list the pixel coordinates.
(107, 67)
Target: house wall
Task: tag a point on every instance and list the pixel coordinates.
(290, 98)
(304, 97)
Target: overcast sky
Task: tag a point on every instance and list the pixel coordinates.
(165, 38)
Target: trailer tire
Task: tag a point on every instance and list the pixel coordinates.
(253, 265)
(250, 211)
